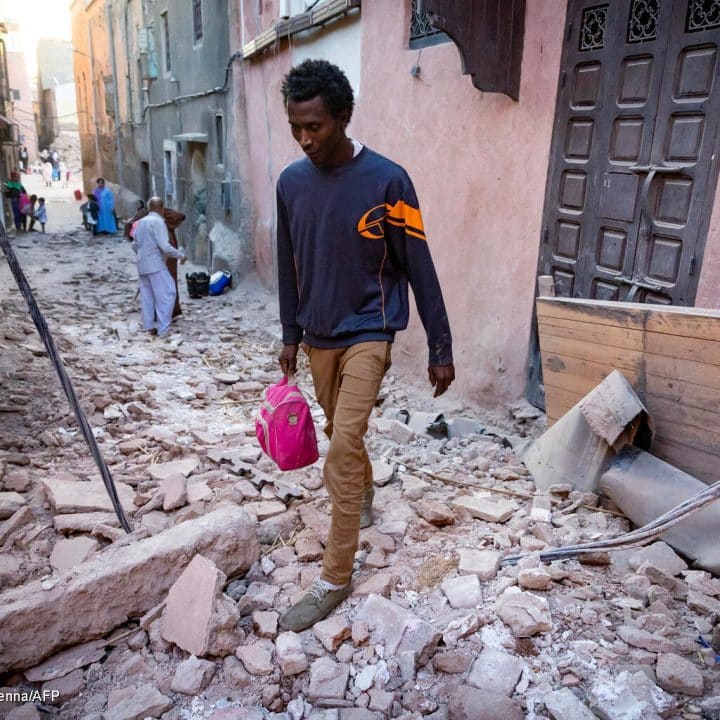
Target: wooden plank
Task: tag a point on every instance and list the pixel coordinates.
(679, 391)
(630, 339)
(701, 323)
(686, 370)
(686, 348)
(558, 401)
(601, 314)
(594, 305)
(696, 438)
(619, 358)
(579, 376)
(701, 327)
(662, 409)
(703, 466)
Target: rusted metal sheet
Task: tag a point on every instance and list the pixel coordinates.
(489, 36)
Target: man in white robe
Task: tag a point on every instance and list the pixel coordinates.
(152, 245)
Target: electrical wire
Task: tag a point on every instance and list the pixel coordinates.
(636, 538)
(65, 381)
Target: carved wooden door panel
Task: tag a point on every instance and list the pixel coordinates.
(633, 163)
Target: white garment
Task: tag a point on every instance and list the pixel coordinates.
(151, 243)
(157, 297)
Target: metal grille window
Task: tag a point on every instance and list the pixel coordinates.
(219, 139)
(197, 21)
(592, 33)
(642, 25)
(422, 33)
(166, 42)
(703, 15)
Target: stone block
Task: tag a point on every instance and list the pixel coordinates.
(483, 563)
(496, 671)
(485, 507)
(676, 674)
(463, 591)
(122, 582)
(328, 679)
(190, 604)
(70, 495)
(69, 553)
(525, 613)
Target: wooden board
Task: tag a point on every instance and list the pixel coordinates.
(670, 355)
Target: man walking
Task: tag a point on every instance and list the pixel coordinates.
(157, 288)
(350, 237)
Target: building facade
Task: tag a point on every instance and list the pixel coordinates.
(166, 106)
(574, 139)
(94, 83)
(56, 90)
(571, 138)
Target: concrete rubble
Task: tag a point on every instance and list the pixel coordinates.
(180, 619)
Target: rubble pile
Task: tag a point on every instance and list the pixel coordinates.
(180, 618)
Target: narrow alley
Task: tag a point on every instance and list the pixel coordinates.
(436, 622)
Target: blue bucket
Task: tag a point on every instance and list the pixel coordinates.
(219, 281)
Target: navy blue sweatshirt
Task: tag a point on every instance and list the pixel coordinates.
(348, 242)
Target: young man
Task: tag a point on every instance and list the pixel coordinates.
(349, 238)
(152, 245)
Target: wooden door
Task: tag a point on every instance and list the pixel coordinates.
(633, 162)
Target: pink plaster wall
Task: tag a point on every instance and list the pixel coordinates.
(479, 164)
(708, 294)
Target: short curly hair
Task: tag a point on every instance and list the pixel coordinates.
(319, 77)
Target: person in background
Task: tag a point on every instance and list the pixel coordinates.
(40, 214)
(173, 220)
(90, 210)
(350, 242)
(140, 212)
(55, 161)
(13, 190)
(26, 207)
(151, 244)
(24, 160)
(30, 208)
(106, 201)
(63, 175)
(47, 173)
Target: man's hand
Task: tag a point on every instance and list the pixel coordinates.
(288, 359)
(441, 377)
(183, 260)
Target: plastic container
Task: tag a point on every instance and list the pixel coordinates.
(198, 284)
(219, 281)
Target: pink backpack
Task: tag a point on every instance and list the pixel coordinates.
(285, 428)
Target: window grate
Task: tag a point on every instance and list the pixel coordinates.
(166, 43)
(643, 22)
(702, 15)
(197, 21)
(422, 32)
(592, 31)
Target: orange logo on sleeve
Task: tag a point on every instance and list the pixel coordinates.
(372, 224)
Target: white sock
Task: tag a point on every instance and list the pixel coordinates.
(329, 586)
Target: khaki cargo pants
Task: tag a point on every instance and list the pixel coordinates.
(347, 381)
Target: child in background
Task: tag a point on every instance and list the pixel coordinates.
(91, 209)
(41, 213)
(31, 211)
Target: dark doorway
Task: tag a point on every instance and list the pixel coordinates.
(144, 181)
